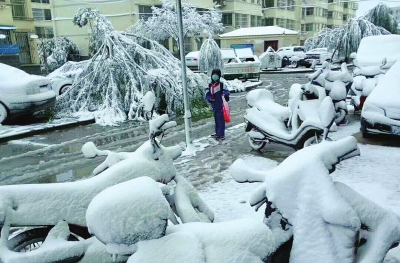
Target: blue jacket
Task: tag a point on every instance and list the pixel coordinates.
(217, 103)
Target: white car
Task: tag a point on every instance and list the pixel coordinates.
(192, 60)
(63, 77)
(381, 110)
(289, 52)
(318, 54)
(22, 94)
(374, 49)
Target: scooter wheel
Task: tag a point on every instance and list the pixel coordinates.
(256, 145)
(315, 140)
(31, 239)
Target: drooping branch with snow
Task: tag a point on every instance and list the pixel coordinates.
(344, 40)
(381, 16)
(163, 22)
(210, 56)
(112, 84)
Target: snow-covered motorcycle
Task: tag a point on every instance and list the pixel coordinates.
(305, 121)
(35, 209)
(330, 222)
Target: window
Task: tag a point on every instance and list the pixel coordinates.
(346, 4)
(18, 8)
(330, 1)
(269, 21)
(260, 21)
(344, 18)
(310, 11)
(241, 20)
(41, 14)
(281, 22)
(309, 27)
(268, 3)
(237, 20)
(227, 19)
(44, 32)
(145, 12)
(41, 1)
(298, 49)
(303, 27)
(253, 21)
(188, 44)
(330, 14)
(324, 12)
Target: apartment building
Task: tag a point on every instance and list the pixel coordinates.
(396, 13)
(319, 14)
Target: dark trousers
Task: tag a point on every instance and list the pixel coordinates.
(219, 123)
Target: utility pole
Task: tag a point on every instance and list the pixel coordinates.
(188, 115)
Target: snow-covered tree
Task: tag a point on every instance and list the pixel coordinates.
(344, 40)
(90, 16)
(381, 16)
(163, 24)
(114, 81)
(210, 56)
(57, 50)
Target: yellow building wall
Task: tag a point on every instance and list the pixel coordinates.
(6, 13)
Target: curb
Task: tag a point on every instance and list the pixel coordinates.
(51, 127)
(285, 71)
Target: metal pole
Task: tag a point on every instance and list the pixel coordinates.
(188, 115)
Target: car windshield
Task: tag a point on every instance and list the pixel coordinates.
(298, 49)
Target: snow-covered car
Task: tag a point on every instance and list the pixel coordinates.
(318, 54)
(381, 110)
(192, 60)
(63, 77)
(240, 64)
(374, 49)
(23, 94)
(293, 55)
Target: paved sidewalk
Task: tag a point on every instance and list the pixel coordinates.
(13, 132)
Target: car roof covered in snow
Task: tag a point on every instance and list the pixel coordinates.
(374, 49)
(193, 54)
(259, 31)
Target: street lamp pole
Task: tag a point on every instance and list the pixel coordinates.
(188, 115)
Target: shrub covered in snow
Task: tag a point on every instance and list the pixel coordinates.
(57, 50)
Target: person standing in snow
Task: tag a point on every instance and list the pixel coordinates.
(214, 95)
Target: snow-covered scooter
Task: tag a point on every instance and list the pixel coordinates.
(312, 217)
(305, 121)
(365, 80)
(35, 209)
(336, 85)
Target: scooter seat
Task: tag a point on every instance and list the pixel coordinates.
(308, 109)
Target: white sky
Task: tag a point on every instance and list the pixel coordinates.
(365, 5)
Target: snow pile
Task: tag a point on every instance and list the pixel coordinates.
(114, 81)
(243, 240)
(239, 86)
(128, 212)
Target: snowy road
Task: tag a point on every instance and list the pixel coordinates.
(41, 158)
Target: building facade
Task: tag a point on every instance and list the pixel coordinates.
(396, 13)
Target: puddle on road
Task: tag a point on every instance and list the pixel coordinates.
(68, 176)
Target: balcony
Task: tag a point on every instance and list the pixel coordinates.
(9, 49)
